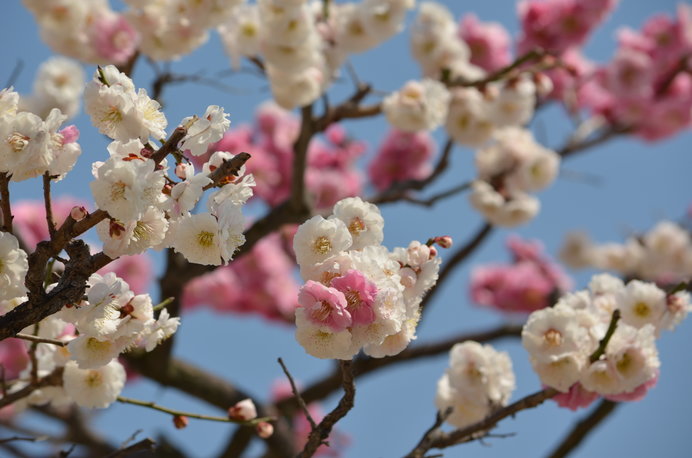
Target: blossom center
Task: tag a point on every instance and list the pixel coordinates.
(205, 239)
(18, 142)
(356, 226)
(93, 379)
(553, 337)
(118, 190)
(322, 245)
(96, 345)
(641, 309)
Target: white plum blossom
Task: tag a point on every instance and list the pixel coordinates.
(94, 388)
(13, 267)
(317, 239)
(417, 106)
(205, 130)
(197, 238)
(363, 220)
(479, 380)
(160, 330)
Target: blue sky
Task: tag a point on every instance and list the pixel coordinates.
(639, 185)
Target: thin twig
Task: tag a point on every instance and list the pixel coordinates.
(583, 428)
(296, 394)
(457, 258)
(21, 438)
(596, 355)
(32, 338)
(319, 435)
(532, 55)
(32, 356)
(52, 379)
(154, 406)
(432, 200)
(49, 208)
(143, 445)
(14, 75)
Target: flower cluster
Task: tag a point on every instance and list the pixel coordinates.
(146, 208)
(302, 46)
(563, 340)
(643, 86)
(59, 83)
(529, 283)
(88, 31)
(110, 321)
(479, 380)
(663, 254)
(30, 145)
(358, 294)
(488, 42)
(509, 169)
(401, 156)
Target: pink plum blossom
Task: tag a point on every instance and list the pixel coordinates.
(576, 398)
(324, 306)
(487, 41)
(114, 39)
(638, 393)
(136, 270)
(360, 295)
(401, 156)
(30, 218)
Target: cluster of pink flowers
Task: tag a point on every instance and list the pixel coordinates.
(558, 25)
(402, 156)
(259, 282)
(530, 282)
(330, 175)
(488, 42)
(643, 85)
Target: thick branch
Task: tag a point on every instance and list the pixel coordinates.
(226, 170)
(440, 439)
(583, 428)
(5, 206)
(50, 222)
(320, 434)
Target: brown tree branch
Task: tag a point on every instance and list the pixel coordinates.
(319, 435)
(49, 208)
(52, 379)
(583, 428)
(398, 190)
(5, 206)
(297, 396)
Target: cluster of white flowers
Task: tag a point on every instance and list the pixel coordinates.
(169, 29)
(561, 339)
(302, 47)
(358, 294)
(111, 320)
(417, 106)
(31, 145)
(88, 31)
(13, 268)
(508, 170)
(479, 380)
(59, 83)
(145, 210)
(664, 254)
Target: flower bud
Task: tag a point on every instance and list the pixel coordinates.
(78, 213)
(408, 277)
(264, 429)
(243, 410)
(180, 421)
(444, 241)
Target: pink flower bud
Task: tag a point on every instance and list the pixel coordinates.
(70, 134)
(243, 410)
(181, 171)
(264, 429)
(444, 241)
(180, 421)
(78, 213)
(433, 252)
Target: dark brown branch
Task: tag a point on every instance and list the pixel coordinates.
(32, 338)
(5, 205)
(440, 439)
(425, 443)
(141, 446)
(319, 435)
(229, 168)
(457, 258)
(52, 379)
(604, 136)
(49, 208)
(349, 109)
(583, 428)
(20, 439)
(171, 145)
(399, 190)
(300, 158)
(366, 365)
(596, 355)
(535, 54)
